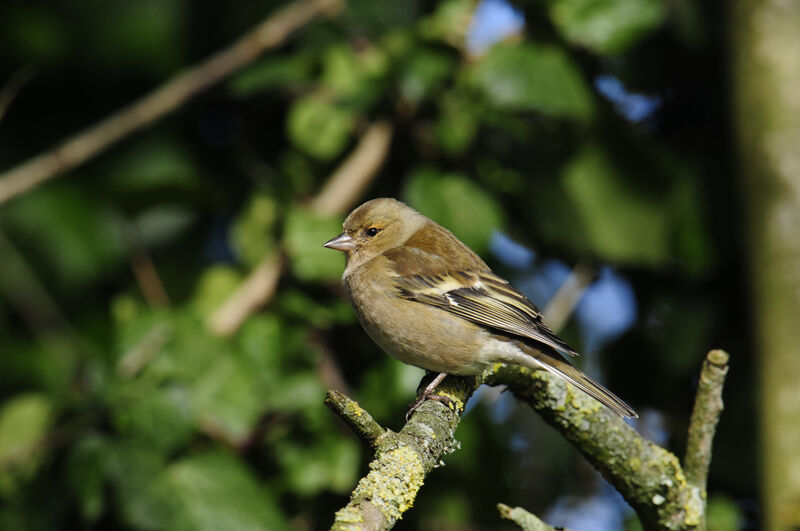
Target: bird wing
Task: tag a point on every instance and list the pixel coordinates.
(478, 296)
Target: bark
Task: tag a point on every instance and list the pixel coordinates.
(765, 44)
(649, 477)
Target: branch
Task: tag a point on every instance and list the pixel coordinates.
(10, 90)
(705, 416)
(403, 460)
(355, 417)
(253, 293)
(99, 137)
(649, 477)
(525, 520)
(561, 305)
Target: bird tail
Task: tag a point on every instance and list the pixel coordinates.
(553, 362)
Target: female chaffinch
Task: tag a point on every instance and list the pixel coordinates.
(430, 301)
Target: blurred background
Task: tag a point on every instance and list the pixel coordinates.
(169, 321)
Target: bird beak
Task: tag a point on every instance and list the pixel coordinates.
(343, 242)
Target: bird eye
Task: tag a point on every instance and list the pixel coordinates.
(372, 231)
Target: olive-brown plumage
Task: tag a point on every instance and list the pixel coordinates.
(430, 301)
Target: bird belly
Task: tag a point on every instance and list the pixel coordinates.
(420, 335)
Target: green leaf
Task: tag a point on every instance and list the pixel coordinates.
(252, 233)
(320, 313)
(449, 22)
(607, 26)
(424, 72)
(146, 34)
(533, 78)
(304, 233)
(349, 74)
(24, 419)
(24, 422)
(457, 122)
(86, 469)
(456, 203)
(319, 128)
(261, 343)
(296, 392)
(167, 346)
(73, 236)
(145, 499)
(271, 73)
(156, 163)
(331, 463)
(161, 417)
(215, 285)
(217, 491)
(622, 223)
(228, 399)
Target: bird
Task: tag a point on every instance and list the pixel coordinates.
(430, 301)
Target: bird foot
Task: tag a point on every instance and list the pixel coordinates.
(412, 407)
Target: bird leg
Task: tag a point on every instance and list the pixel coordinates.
(426, 395)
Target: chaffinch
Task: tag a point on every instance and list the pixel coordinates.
(428, 300)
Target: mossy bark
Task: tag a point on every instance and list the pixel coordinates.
(649, 477)
(765, 43)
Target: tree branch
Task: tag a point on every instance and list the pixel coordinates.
(649, 477)
(355, 417)
(99, 137)
(561, 305)
(253, 293)
(525, 520)
(403, 460)
(705, 416)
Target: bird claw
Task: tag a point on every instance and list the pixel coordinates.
(412, 407)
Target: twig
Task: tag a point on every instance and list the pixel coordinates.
(705, 415)
(352, 177)
(342, 189)
(356, 417)
(525, 520)
(135, 359)
(256, 290)
(147, 277)
(10, 90)
(561, 305)
(20, 285)
(97, 138)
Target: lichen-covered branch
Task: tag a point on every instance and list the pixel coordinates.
(649, 477)
(403, 460)
(703, 423)
(355, 416)
(525, 520)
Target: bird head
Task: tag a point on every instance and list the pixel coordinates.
(375, 227)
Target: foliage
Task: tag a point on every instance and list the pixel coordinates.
(118, 410)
